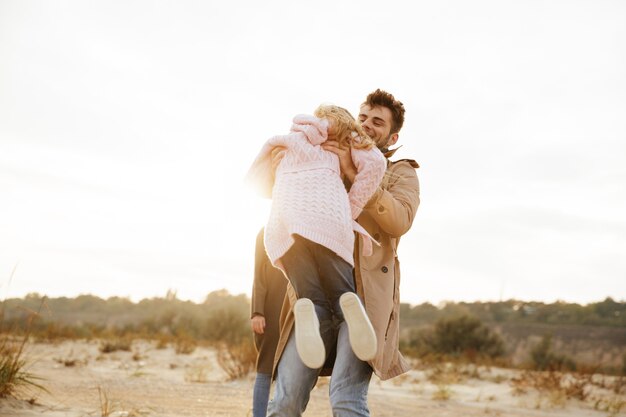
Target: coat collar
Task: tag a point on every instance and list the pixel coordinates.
(388, 153)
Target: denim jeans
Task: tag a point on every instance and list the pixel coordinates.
(319, 274)
(349, 382)
(261, 394)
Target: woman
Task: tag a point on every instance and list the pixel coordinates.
(268, 292)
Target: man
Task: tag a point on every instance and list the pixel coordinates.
(387, 216)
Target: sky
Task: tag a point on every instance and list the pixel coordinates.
(126, 129)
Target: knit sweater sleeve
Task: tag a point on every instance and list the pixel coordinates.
(371, 166)
(260, 174)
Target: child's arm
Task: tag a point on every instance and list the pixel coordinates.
(370, 165)
(262, 170)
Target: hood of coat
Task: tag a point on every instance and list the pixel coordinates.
(315, 129)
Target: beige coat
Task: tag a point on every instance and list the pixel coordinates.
(387, 216)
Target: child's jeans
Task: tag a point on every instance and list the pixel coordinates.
(318, 273)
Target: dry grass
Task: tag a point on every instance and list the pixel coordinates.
(197, 374)
(612, 405)
(443, 393)
(69, 362)
(107, 406)
(556, 388)
(560, 386)
(237, 360)
(162, 341)
(184, 345)
(14, 376)
(108, 346)
(450, 373)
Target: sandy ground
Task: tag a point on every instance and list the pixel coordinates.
(159, 382)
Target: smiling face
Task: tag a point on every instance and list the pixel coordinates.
(377, 123)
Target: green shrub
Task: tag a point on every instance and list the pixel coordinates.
(462, 336)
(543, 359)
(228, 325)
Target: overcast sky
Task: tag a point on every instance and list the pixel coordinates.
(126, 128)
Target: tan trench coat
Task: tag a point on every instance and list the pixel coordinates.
(387, 216)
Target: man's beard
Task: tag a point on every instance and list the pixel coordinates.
(381, 143)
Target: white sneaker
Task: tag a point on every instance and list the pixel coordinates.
(309, 342)
(360, 330)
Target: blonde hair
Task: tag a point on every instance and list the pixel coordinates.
(345, 127)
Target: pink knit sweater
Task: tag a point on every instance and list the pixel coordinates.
(309, 197)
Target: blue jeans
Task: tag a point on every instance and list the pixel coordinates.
(261, 394)
(349, 382)
(319, 274)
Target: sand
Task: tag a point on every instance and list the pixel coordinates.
(158, 382)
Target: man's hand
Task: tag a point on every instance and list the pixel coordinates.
(345, 159)
(258, 324)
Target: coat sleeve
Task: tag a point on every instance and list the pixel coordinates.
(259, 286)
(370, 165)
(394, 206)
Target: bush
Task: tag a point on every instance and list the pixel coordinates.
(228, 325)
(543, 359)
(462, 336)
(237, 359)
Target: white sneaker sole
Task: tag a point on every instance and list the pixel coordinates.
(309, 342)
(360, 330)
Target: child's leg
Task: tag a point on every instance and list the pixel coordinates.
(336, 276)
(302, 271)
(312, 306)
(338, 282)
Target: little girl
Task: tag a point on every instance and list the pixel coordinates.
(310, 231)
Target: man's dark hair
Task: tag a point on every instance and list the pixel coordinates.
(385, 99)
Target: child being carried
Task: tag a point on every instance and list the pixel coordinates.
(310, 231)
